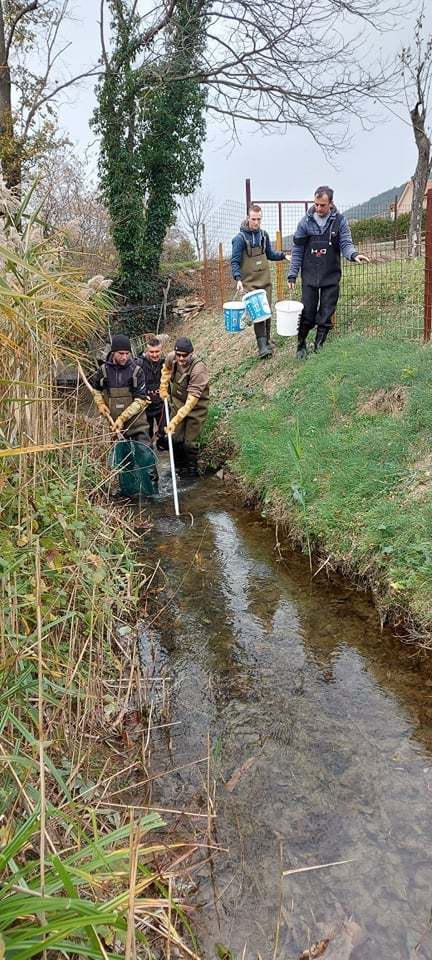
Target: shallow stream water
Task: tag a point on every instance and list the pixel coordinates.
(320, 728)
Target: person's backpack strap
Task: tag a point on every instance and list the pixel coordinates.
(334, 228)
(246, 243)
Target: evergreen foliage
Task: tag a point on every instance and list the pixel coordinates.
(152, 128)
(379, 228)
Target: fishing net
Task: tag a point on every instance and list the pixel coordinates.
(136, 463)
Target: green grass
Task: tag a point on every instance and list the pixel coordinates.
(355, 485)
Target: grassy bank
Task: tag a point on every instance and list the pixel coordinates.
(344, 449)
(339, 449)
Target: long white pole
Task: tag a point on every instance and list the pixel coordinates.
(172, 464)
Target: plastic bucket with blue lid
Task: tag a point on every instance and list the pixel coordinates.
(257, 305)
(234, 316)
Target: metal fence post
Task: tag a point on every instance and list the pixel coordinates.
(427, 320)
(395, 221)
(279, 268)
(248, 194)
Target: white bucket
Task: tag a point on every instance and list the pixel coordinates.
(234, 316)
(288, 313)
(257, 305)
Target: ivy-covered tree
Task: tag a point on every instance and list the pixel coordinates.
(247, 60)
(152, 128)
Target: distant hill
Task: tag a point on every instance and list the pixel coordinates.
(378, 205)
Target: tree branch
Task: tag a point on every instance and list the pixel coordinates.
(21, 13)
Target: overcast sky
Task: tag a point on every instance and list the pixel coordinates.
(285, 167)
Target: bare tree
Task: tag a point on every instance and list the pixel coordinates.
(72, 205)
(30, 34)
(417, 67)
(196, 210)
(277, 65)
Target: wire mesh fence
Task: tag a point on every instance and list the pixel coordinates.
(392, 293)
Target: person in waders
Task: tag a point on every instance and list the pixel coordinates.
(320, 238)
(152, 363)
(120, 395)
(251, 252)
(185, 382)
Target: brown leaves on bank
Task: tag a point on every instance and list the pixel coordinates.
(338, 944)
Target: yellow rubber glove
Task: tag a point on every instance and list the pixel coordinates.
(187, 407)
(165, 379)
(117, 426)
(101, 405)
(172, 426)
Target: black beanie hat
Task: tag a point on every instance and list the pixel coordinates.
(120, 342)
(184, 345)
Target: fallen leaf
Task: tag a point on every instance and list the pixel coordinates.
(233, 781)
(346, 937)
(316, 950)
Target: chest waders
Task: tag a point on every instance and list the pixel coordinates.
(321, 273)
(132, 456)
(119, 398)
(186, 436)
(255, 275)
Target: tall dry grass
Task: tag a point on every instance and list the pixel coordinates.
(77, 876)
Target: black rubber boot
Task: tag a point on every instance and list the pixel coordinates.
(320, 339)
(264, 350)
(268, 329)
(303, 330)
(191, 454)
(301, 349)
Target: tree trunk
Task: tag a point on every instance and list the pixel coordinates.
(420, 180)
(10, 148)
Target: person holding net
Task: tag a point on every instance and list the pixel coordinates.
(121, 397)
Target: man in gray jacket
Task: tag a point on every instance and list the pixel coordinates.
(320, 238)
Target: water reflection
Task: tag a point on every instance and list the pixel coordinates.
(295, 674)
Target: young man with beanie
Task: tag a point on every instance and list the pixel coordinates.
(185, 382)
(121, 396)
(251, 252)
(320, 238)
(152, 362)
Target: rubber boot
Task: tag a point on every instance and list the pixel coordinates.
(191, 455)
(320, 339)
(268, 328)
(301, 348)
(303, 331)
(264, 350)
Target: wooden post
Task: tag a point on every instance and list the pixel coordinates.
(280, 219)
(427, 320)
(221, 274)
(248, 194)
(206, 285)
(280, 264)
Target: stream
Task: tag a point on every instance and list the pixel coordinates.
(320, 728)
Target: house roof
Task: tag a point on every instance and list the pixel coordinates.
(408, 186)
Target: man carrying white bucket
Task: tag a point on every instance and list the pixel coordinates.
(320, 238)
(251, 252)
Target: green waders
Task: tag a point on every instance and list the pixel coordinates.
(132, 456)
(186, 436)
(255, 275)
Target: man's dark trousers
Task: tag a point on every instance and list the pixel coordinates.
(319, 305)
